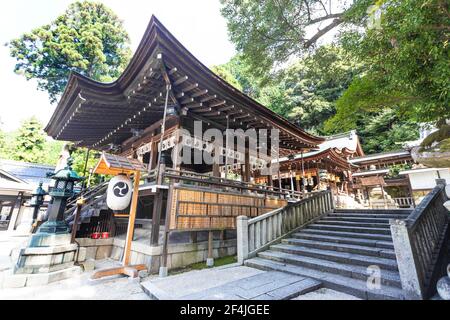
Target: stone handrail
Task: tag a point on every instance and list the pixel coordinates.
(417, 242)
(257, 234)
(405, 202)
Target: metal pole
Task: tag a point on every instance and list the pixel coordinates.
(83, 185)
(163, 129)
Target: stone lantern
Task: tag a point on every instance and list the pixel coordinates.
(50, 253)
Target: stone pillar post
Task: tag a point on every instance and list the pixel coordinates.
(408, 270)
(242, 238)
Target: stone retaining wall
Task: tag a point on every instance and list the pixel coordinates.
(179, 255)
(96, 249)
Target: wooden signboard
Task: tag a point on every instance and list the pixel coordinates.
(372, 181)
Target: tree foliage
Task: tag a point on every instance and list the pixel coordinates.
(305, 91)
(270, 32)
(29, 142)
(407, 60)
(88, 38)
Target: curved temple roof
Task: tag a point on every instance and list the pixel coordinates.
(95, 114)
(337, 148)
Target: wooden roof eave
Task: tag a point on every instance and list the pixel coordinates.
(158, 38)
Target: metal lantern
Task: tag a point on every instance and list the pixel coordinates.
(62, 189)
(37, 199)
(38, 195)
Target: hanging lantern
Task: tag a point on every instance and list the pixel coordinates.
(118, 196)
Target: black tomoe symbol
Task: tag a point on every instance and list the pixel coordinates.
(120, 189)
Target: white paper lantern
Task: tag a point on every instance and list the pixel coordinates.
(119, 193)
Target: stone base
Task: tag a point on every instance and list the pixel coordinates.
(88, 265)
(48, 257)
(49, 239)
(163, 272)
(11, 280)
(33, 260)
(210, 262)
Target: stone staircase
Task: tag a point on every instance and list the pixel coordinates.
(338, 249)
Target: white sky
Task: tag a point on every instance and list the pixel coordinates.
(197, 24)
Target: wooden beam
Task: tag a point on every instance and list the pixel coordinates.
(217, 103)
(187, 100)
(226, 108)
(193, 105)
(180, 80)
(199, 93)
(209, 98)
(172, 71)
(190, 87)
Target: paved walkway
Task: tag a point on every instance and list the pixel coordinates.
(236, 282)
(226, 282)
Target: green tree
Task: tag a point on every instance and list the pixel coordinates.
(88, 38)
(29, 142)
(314, 83)
(407, 60)
(267, 33)
(223, 72)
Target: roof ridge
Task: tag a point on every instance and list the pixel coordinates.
(26, 163)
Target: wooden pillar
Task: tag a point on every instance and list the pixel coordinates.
(297, 184)
(133, 210)
(216, 170)
(163, 269)
(153, 155)
(247, 163)
(194, 236)
(156, 217)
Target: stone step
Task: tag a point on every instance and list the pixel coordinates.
(347, 285)
(387, 277)
(342, 257)
(319, 226)
(374, 211)
(365, 215)
(349, 248)
(359, 235)
(357, 219)
(340, 222)
(345, 240)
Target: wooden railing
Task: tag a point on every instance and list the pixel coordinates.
(418, 240)
(405, 202)
(202, 180)
(90, 196)
(257, 234)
